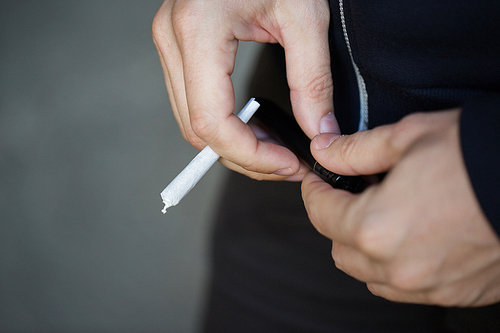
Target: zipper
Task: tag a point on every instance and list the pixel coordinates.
(363, 95)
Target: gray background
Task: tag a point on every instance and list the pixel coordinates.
(87, 143)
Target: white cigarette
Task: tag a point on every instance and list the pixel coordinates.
(192, 173)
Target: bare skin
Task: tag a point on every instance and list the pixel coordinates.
(197, 43)
(419, 236)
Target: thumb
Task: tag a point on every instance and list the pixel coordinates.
(377, 150)
(363, 153)
(308, 63)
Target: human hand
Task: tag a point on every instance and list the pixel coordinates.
(419, 236)
(197, 43)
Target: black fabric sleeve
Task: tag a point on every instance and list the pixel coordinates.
(480, 140)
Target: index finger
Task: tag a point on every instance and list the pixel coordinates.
(211, 104)
(209, 59)
(336, 214)
(308, 63)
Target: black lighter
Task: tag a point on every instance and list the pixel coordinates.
(283, 127)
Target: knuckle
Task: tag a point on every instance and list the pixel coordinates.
(193, 139)
(186, 17)
(372, 237)
(374, 289)
(314, 13)
(401, 128)
(250, 164)
(337, 258)
(406, 130)
(204, 128)
(311, 205)
(443, 297)
(320, 87)
(158, 26)
(318, 224)
(162, 20)
(322, 11)
(412, 276)
(162, 30)
(403, 279)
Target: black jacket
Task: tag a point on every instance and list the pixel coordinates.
(392, 58)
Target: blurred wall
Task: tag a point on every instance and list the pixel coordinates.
(87, 143)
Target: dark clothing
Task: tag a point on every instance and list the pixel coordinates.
(425, 56)
(272, 271)
(480, 139)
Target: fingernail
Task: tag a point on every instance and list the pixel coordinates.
(329, 124)
(322, 141)
(285, 172)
